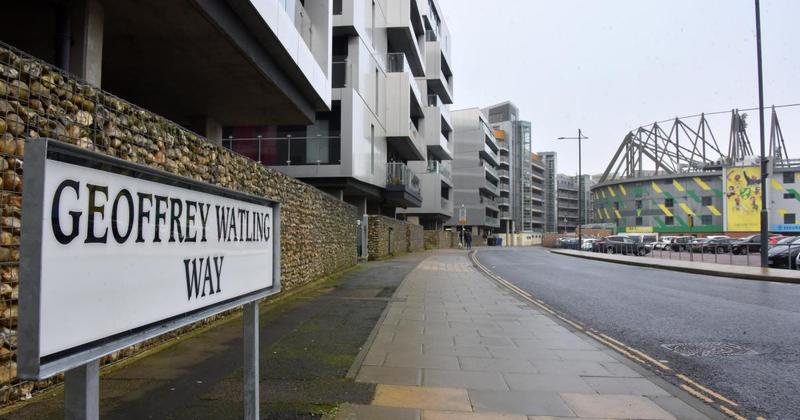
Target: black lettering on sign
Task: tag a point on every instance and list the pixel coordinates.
(200, 277)
(61, 237)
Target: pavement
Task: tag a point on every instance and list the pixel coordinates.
(735, 338)
(455, 344)
(309, 341)
(697, 267)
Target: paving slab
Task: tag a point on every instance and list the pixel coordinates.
(456, 345)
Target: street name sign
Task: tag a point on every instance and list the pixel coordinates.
(114, 253)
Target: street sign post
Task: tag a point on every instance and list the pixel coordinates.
(114, 253)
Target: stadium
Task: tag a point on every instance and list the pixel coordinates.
(673, 177)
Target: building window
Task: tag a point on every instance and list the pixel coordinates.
(372, 149)
(377, 93)
(639, 221)
(668, 202)
(669, 220)
(337, 7)
(707, 200)
(788, 195)
(789, 219)
(706, 219)
(788, 177)
(638, 204)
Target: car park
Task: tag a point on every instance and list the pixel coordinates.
(619, 245)
(664, 242)
(681, 243)
(718, 245)
(697, 244)
(784, 254)
(746, 245)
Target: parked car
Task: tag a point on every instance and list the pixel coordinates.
(619, 245)
(774, 238)
(587, 244)
(718, 245)
(664, 242)
(697, 244)
(746, 245)
(681, 243)
(569, 243)
(784, 253)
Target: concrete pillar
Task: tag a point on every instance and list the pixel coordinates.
(86, 57)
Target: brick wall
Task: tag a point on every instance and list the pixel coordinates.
(318, 232)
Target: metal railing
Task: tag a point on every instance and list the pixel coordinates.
(502, 173)
(399, 174)
(288, 150)
(784, 256)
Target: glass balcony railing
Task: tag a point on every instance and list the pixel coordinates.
(396, 63)
(398, 174)
(288, 150)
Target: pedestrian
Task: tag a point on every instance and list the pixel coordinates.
(468, 239)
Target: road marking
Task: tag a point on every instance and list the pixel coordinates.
(641, 353)
(731, 413)
(706, 390)
(696, 394)
(622, 348)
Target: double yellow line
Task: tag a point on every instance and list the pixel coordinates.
(700, 392)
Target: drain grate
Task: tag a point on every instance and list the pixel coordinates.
(710, 349)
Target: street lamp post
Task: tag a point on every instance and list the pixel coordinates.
(763, 161)
(581, 193)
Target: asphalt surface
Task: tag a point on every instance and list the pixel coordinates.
(308, 343)
(650, 308)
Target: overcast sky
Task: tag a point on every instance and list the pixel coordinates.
(610, 66)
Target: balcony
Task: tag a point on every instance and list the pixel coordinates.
(504, 201)
(489, 155)
(403, 27)
(492, 221)
(504, 160)
(437, 72)
(505, 215)
(505, 187)
(503, 173)
(491, 188)
(503, 145)
(404, 106)
(403, 187)
(437, 123)
(491, 173)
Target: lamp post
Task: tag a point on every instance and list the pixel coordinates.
(581, 195)
(763, 161)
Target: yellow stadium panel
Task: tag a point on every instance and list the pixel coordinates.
(701, 184)
(686, 209)
(606, 212)
(611, 191)
(656, 188)
(714, 211)
(667, 212)
(622, 189)
(777, 185)
(616, 213)
(782, 212)
(678, 185)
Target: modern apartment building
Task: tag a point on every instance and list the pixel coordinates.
(514, 138)
(567, 198)
(475, 173)
(202, 64)
(537, 193)
(386, 140)
(549, 161)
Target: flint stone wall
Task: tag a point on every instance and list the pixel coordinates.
(318, 232)
(439, 239)
(416, 238)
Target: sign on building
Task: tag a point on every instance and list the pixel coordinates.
(742, 199)
(115, 253)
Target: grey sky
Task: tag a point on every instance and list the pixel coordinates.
(610, 66)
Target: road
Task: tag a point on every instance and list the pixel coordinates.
(649, 308)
